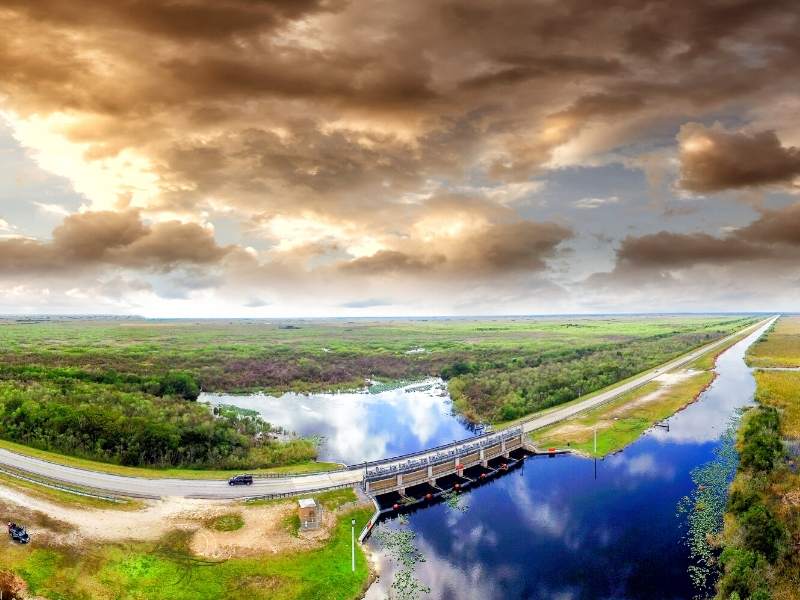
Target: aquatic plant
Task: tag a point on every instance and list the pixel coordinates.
(455, 501)
(399, 545)
(704, 510)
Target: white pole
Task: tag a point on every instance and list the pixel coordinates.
(353, 544)
(595, 439)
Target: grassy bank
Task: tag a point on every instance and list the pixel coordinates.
(621, 421)
(168, 571)
(761, 540)
(64, 497)
(780, 347)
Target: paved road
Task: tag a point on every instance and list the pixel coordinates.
(188, 488)
(219, 489)
(568, 411)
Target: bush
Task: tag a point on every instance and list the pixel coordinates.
(744, 571)
(131, 427)
(741, 500)
(179, 383)
(762, 531)
(761, 445)
(456, 369)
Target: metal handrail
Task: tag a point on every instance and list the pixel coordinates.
(459, 449)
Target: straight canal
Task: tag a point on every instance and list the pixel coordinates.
(569, 528)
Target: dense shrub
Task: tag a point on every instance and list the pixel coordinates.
(741, 500)
(744, 572)
(761, 445)
(102, 422)
(762, 531)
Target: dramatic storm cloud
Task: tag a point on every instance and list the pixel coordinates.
(287, 157)
(713, 160)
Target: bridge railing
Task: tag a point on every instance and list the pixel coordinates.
(437, 455)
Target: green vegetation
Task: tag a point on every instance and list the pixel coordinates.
(229, 522)
(497, 369)
(540, 381)
(622, 420)
(334, 499)
(704, 511)
(50, 409)
(780, 347)
(755, 549)
(761, 542)
(781, 389)
(168, 571)
(291, 522)
(82, 463)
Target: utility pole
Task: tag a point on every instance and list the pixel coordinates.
(353, 544)
(595, 440)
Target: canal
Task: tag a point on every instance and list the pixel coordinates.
(569, 528)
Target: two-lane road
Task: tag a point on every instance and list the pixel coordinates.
(219, 489)
(554, 416)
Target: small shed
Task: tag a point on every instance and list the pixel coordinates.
(309, 513)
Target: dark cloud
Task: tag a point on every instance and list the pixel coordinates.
(774, 227)
(330, 103)
(714, 160)
(666, 250)
(772, 241)
(392, 261)
(334, 133)
(492, 250)
(118, 239)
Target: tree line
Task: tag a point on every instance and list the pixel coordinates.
(133, 420)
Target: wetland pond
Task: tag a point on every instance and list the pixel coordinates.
(365, 425)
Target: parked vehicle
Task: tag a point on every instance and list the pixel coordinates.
(241, 480)
(18, 533)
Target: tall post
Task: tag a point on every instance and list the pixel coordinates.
(353, 544)
(595, 439)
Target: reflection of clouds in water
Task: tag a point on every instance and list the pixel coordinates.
(642, 465)
(706, 421)
(359, 426)
(540, 517)
(423, 416)
(349, 439)
(467, 580)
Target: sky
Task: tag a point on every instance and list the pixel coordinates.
(286, 158)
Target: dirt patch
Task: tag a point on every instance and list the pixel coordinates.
(791, 498)
(264, 531)
(77, 524)
(667, 380)
(12, 587)
(580, 430)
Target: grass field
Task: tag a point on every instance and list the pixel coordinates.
(780, 347)
(621, 421)
(167, 571)
(781, 389)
